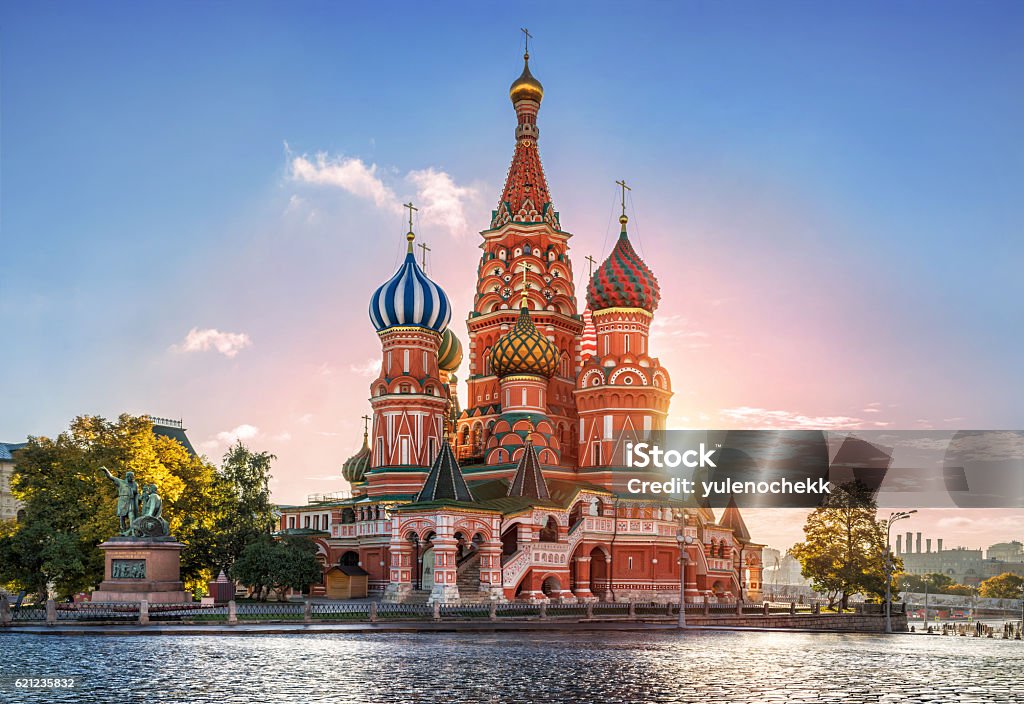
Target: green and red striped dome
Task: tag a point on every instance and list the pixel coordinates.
(623, 280)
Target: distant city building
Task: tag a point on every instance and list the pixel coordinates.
(9, 506)
(963, 565)
(1008, 552)
(173, 429)
(781, 570)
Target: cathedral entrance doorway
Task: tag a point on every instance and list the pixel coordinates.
(598, 573)
(551, 586)
(427, 579)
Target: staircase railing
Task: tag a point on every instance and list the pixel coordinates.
(513, 569)
(467, 562)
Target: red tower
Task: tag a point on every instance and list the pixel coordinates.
(623, 392)
(525, 235)
(409, 397)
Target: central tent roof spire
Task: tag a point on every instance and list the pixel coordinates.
(525, 198)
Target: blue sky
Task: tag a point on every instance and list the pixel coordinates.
(836, 188)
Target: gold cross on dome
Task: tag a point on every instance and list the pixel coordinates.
(526, 284)
(409, 237)
(411, 208)
(624, 189)
(529, 36)
(592, 261)
(425, 249)
(366, 425)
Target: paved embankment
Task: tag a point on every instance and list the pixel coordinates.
(831, 623)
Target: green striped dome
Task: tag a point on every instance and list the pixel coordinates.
(449, 354)
(354, 469)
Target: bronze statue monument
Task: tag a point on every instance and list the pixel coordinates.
(127, 499)
(143, 562)
(145, 521)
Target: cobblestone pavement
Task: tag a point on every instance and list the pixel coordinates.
(665, 667)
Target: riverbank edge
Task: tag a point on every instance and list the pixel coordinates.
(817, 624)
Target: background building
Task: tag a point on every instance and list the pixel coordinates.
(9, 506)
(964, 565)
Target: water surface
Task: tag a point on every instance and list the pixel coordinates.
(665, 666)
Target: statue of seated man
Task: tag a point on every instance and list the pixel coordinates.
(152, 504)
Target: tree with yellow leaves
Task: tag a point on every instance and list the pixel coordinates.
(69, 507)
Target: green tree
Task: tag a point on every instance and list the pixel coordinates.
(69, 504)
(253, 567)
(245, 510)
(1004, 586)
(936, 582)
(266, 564)
(296, 567)
(843, 551)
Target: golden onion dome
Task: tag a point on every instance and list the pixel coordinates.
(449, 354)
(523, 350)
(526, 87)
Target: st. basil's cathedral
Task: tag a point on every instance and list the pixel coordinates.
(515, 496)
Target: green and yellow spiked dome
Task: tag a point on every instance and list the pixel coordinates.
(523, 350)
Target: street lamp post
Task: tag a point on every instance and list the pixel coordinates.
(898, 516)
(741, 580)
(684, 542)
(1022, 610)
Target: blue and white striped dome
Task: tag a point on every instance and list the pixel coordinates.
(410, 298)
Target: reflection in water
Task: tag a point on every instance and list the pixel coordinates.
(517, 667)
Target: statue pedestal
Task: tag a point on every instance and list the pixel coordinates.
(142, 569)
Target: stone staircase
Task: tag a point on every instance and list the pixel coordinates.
(417, 596)
(468, 580)
(469, 575)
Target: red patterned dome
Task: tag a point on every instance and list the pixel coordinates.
(623, 280)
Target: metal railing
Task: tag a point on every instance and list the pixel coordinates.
(370, 611)
(98, 611)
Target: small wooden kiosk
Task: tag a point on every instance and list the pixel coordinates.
(346, 582)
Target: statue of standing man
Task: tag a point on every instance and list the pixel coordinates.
(127, 499)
